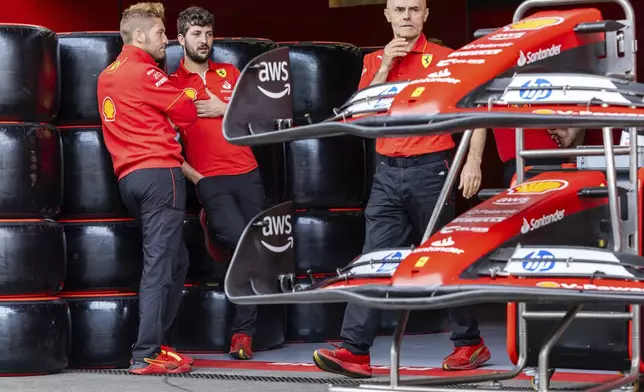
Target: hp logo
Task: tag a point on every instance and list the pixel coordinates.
(537, 261)
(536, 95)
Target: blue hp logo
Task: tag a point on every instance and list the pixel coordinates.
(537, 261)
(536, 94)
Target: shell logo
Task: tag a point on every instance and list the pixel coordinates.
(538, 187)
(534, 23)
(544, 111)
(109, 109)
(548, 285)
(191, 93)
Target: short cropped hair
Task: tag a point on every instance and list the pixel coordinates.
(138, 14)
(193, 16)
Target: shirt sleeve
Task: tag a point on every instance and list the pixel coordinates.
(166, 95)
(236, 74)
(368, 72)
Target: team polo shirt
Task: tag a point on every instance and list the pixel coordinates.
(413, 66)
(533, 139)
(206, 148)
(135, 100)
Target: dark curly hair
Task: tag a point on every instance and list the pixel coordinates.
(193, 16)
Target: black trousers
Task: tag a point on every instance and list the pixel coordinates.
(157, 200)
(403, 196)
(230, 203)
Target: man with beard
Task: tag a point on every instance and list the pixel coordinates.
(226, 176)
(136, 100)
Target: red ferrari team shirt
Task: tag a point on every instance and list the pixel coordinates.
(206, 148)
(533, 139)
(412, 66)
(135, 99)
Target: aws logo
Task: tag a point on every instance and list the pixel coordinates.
(108, 109)
(274, 71)
(277, 226)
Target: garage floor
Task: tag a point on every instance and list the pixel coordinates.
(290, 369)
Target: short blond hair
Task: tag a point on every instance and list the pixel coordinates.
(135, 16)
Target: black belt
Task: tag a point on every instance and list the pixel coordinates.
(416, 160)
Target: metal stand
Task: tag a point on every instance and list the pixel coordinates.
(465, 382)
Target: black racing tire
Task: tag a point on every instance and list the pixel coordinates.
(30, 88)
(205, 317)
(33, 258)
(328, 173)
(104, 329)
(83, 56)
(326, 74)
(235, 51)
(91, 187)
(327, 240)
(203, 270)
(103, 255)
(35, 335)
(31, 174)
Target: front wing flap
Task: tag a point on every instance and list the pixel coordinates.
(558, 274)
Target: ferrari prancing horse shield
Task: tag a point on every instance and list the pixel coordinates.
(427, 59)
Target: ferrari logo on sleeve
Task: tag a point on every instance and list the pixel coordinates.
(426, 59)
(191, 93)
(109, 109)
(421, 262)
(115, 65)
(221, 72)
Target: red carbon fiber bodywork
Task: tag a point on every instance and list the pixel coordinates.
(547, 28)
(544, 195)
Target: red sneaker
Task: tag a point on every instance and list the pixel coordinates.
(181, 358)
(217, 253)
(241, 346)
(467, 357)
(158, 364)
(344, 362)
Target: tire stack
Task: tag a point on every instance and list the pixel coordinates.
(104, 254)
(205, 315)
(34, 320)
(329, 181)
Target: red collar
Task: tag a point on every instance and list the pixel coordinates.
(183, 71)
(138, 54)
(421, 44)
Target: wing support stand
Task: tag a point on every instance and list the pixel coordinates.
(466, 383)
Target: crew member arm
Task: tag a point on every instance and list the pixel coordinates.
(162, 93)
(371, 73)
(193, 175)
(477, 145)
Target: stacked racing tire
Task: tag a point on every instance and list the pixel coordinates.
(35, 326)
(104, 254)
